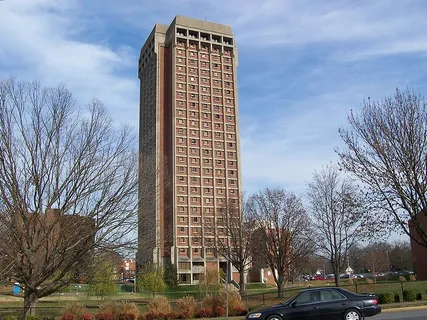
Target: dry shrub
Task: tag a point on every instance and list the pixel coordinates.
(110, 307)
(75, 309)
(219, 312)
(402, 279)
(130, 308)
(369, 281)
(119, 308)
(212, 301)
(234, 300)
(105, 316)
(159, 305)
(204, 313)
(186, 306)
(412, 277)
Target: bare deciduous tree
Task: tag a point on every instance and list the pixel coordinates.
(386, 148)
(235, 242)
(400, 256)
(336, 207)
(283, 235)
(375, 257)
(68, 185)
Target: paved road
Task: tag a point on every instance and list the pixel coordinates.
(401, 315)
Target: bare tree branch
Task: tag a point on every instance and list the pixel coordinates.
(386, 148)
(68, 185)
(283, 236)
(235, 242)
(336, 207)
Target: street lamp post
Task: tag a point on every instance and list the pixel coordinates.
(227, 276)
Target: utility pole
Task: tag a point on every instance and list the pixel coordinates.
(227, 276)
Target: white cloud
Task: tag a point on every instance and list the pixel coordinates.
(260, 23)
(44, 46)
(303, 64)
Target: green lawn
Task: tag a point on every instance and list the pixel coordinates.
(257, 296)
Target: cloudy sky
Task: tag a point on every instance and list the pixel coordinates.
(303, 64)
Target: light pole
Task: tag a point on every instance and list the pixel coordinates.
(226, 283)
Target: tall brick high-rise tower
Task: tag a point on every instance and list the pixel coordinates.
(188, 143)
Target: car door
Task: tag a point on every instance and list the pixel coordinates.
(305, 306)
(332, 304)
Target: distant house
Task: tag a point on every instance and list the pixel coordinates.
(419, 252)
(128, 268)
(51, 238)
(260, 271)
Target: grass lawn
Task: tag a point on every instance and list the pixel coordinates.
(257, 295)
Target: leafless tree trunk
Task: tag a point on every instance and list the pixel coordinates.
(376, 257)
(400, 256)
(68, 185)
(386, 148)
(234, 244)
(282, 234)
(336, 209)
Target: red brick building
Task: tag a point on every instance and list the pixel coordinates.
(127, 269)
(419, 252)
(188, 144)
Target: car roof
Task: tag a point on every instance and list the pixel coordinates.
(326, 288)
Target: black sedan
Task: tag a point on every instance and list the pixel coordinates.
(321, 303)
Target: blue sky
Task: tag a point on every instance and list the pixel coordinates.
(303, 64)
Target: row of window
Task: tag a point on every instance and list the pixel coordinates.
(207, 210)
(217, 126)
(204, 80)
(196, 181)
(208, 186)
(205, 112)
(194, 88)
(197, 231)
(206, 200)
(215, 65)
(206, 152)
(205, 133)
(204, 47)
(202, 56)
(196, 161)
(204, 97)
(208, 220)
(204, 72)
(196, 251)
(196, 170)
(182, 113)
(195, 141)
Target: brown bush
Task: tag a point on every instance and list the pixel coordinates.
(120, 308)
(186, 306)
(211, 302)
(412, 277)
(402, 278)
(234, 301)
(110, 307)
(130, 308)
(159, 305)
(204, 313)
(105, 316)
(75, 309)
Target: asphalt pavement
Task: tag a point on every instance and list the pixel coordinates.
(401, 315)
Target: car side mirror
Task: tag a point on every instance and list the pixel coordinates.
(293, 304)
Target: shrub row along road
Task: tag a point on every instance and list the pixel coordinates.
(404, 314)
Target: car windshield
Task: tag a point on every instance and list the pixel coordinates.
(292, 298)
